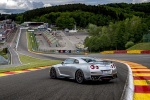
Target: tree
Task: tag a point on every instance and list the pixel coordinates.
(129, 44)
(65, 22)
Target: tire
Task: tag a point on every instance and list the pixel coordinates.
(79, 77)
(53, 73)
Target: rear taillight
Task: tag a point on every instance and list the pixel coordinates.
(113, 66)
(97, 67)
(94, 67)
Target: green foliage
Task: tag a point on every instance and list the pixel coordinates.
(65, 22)
(146, 38)
(129, 44)
(100, 9)
(116, 35)
(99, 15)
(93, 29)
(32, 43)
(5, 51)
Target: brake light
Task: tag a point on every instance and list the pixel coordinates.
(113, 66)
(97, 67)
(94, 67)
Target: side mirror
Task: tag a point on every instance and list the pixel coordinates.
(62, 63)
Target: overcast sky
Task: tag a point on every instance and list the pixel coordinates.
(31, 4)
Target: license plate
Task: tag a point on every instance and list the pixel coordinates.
(106, 72)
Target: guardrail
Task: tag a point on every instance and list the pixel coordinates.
(60, 51)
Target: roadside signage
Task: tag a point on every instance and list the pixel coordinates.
(78, 51)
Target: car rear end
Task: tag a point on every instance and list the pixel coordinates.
(103, 70)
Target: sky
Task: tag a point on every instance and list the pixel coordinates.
(32, 4)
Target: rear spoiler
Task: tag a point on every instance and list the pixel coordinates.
(103, 62)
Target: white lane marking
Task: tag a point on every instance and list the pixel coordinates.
(18, 57)
(18, 39)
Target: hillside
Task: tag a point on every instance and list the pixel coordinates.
(141, 46)
(110, 26)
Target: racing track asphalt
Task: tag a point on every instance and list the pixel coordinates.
(37, 85)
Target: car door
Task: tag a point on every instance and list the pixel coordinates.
(65, 68)
(73, 68)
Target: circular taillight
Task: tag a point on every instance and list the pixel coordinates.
(92, 67)
(97, 67)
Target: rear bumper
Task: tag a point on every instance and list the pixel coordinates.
(102, 77)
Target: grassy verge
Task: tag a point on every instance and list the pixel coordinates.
(32, 43)
(140, 46)
(4, 54)
(30, 62)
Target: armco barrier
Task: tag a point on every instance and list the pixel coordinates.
(134, 51)
(120, 51)
(145, 52)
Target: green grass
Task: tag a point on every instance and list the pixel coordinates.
(32, 43)
(29, 41)
(3, 54)
(140, 46)
(30, 62)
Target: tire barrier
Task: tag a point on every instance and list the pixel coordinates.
(126, 52)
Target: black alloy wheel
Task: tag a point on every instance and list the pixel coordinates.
(79, 76)
(53, 73)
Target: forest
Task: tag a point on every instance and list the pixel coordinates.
(115, 26)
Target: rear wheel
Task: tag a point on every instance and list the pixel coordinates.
(79, 76)
(53, 73)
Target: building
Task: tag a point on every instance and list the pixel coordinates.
(6, 26)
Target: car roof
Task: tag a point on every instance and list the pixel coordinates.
(82, 57)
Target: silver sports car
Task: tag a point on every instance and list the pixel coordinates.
(84, 68)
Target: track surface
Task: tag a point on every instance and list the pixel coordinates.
(37, 85)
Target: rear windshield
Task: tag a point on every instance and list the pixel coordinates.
(89, 60)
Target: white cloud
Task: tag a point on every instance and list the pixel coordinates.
(140, 1)
(20, 4)
(32, 4)
(47, 5)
